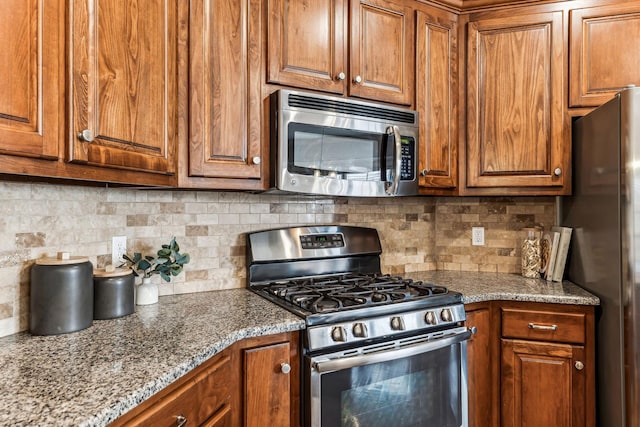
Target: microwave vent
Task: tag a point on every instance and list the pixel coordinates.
(344, 107)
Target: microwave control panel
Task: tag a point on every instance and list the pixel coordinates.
(408, 160)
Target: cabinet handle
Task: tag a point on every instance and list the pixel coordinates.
(256, 160)
(357, 79)
(341, 76)
(424, 172)
(557, 171)
(285, 368)
(543, 327)
(181, 420)
(579, 365)
(86, 136)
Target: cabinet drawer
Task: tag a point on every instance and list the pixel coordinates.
(196, 399)
(543, 325)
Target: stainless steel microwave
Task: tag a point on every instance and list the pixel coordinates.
(342, 147)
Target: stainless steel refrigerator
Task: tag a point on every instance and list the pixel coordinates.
(604, 212)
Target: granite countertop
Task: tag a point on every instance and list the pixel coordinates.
(478, 287)
(91, 377)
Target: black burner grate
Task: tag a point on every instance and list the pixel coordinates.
(345, 291)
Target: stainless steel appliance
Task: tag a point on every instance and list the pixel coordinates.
(341, 147)
(379, 350)
(604, 212)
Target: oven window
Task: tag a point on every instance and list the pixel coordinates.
(421, 390)
(336, 153)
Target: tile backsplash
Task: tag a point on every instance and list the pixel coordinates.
(417, 233)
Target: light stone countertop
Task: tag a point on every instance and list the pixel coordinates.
(478, 287)
(90, 377)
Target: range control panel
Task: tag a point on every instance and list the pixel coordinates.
(321, 241)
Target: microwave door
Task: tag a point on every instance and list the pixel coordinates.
(391, 188)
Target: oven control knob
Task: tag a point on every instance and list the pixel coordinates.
(430, 318)
(360, 330)
(445, 315)
(397, 324)
(338, 334)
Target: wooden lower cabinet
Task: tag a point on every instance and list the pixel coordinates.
(254, 382)
(480, 368)
(531, 364)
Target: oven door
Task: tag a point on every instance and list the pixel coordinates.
(417, 381)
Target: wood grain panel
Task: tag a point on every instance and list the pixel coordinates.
(479, 371)
(537, 386)
(515, 104)
(268, 404)
(436, 95)
(224, 89)
(30, 98)
(604, 53)
(382, 40)
(306, 43)
(570, 327)
(124, 83)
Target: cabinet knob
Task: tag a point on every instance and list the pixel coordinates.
(341, 76)
(181, 420)
(357, 79)
(579, 365)
(424, 172)
(256, 160)
(557, 171)
(86, 136)
(285, 368)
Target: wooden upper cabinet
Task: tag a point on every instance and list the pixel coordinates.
(604, 54)
(516, 123)
(123, 88)
(436, 97)
(308, 47)
(381, 52)
(225, 90)
(31, 103)
(308, 44)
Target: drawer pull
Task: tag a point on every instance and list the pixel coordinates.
(579, 365)
(181, 420)
(543, 327)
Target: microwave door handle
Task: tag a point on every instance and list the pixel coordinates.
(392, 187)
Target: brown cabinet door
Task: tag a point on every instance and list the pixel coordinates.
(479, 373)
(30, 97)
(267, 386)
(381, 51)
(543, 384)
(604, 55)
(224, 89)
(516, 124)
(307, 44)
(123, 88)
(436, 95)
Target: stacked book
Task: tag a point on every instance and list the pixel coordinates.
(555, 247)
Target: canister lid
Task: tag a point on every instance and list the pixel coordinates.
(110, 271)
(63, 258)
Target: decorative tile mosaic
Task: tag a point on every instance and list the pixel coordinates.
(417, 233)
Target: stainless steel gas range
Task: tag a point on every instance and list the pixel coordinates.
(379, 350)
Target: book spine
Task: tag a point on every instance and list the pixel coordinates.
(563, 250)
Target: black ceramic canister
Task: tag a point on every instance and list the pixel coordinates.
(61, 297)
(113, 292)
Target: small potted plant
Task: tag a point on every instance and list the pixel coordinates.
(168, 262)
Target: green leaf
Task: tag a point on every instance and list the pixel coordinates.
(165, 276)
(165, 252)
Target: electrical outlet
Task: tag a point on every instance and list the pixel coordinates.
(118, 248)
(477, 236)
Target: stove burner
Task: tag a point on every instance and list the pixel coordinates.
(334, 293)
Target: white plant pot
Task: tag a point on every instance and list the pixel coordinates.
(146, 292)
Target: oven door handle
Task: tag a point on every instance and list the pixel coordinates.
(461, 334)
(392, 187)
